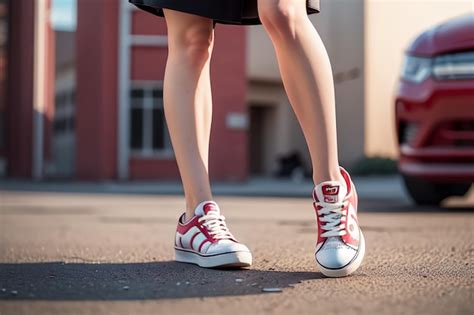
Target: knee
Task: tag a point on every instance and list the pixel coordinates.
(281, 17)
(194, 44)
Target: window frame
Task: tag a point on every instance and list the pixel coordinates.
(148, 105)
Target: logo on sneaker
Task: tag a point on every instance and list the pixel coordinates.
(330, 190)
(352, 226)
(209, 207)
(330, 193)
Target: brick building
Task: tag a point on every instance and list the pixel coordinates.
(108, 121)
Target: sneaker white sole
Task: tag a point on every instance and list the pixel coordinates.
(231, 259)
(349, 268)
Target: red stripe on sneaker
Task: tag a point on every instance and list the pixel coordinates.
(206, 234)
(183, 228)
(192, 239)
(347, 178)
(202, 243)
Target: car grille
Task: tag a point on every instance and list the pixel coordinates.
(409, 133)
(459, 133)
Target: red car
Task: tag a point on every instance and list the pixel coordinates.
(435, 112)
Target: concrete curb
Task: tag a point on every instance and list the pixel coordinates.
(383, 187)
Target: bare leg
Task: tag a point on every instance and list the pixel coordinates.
(188, 101)
(306, 73)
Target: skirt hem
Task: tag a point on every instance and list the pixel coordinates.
(224, 15)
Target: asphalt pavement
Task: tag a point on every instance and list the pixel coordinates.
(89, 253)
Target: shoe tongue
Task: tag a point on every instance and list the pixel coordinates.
(205, 207)
(330, 192)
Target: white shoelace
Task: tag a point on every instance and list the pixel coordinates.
(215, 225)
(334, 215)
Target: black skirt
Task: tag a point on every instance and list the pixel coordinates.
(238, 12)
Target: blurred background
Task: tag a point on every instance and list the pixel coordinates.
(90, 190)
(81, 92)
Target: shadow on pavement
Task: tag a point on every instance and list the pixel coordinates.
(135, 281)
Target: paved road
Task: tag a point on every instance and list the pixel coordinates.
(64, 253)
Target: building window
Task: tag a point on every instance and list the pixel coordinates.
(64, 112)
(148, 131)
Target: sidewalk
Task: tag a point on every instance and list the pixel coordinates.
(70, 253)
(383, 187)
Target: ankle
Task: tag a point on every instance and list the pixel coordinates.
(192, 205)
(188, 215)
(335, 176)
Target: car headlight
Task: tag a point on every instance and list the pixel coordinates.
(454, 66)
(416, 69)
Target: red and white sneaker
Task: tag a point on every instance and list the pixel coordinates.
(340, 247)
(206, 241)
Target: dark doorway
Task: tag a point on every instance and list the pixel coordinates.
(262, 117)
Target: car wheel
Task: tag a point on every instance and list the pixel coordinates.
(428, 193)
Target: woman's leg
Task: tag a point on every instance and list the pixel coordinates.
(306, 73)
(188, 101)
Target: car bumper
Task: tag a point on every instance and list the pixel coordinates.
(442, 172)
(432, 152)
